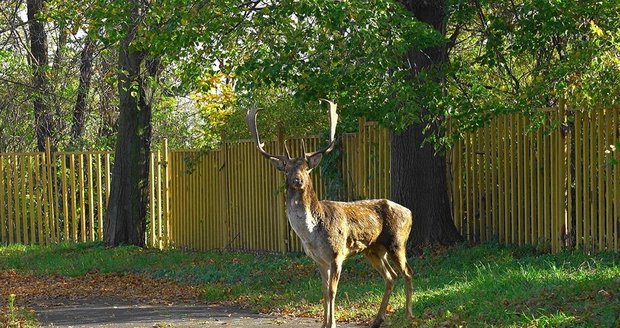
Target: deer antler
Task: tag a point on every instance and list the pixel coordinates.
(333, 121)
(250, 119)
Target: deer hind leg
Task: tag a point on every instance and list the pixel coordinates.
(379, 262)
(400, 258)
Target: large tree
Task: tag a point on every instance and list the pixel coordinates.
(142, 49)
(44, 123)
(418, 179)
(125, 220)
(353, 53)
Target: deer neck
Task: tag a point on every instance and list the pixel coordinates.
(303, 208)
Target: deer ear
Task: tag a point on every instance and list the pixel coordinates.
(278, 163)
(314, 160)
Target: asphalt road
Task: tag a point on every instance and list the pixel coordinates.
(122, 314)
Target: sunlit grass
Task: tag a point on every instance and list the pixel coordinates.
(485, 285)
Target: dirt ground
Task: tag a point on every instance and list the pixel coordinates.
(130, 300)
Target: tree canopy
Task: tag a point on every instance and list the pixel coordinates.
(504, 57)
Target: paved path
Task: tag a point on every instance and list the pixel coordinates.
(123, 314)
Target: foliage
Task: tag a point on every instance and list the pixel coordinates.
(484, 285)
(505, 57)
(531, 54)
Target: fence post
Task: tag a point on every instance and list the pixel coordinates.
(362, 158)
(3, 223)
(49, 164)
(566, 177)
(224, 182)
(167, 196)
(282, 220)
(150, 233)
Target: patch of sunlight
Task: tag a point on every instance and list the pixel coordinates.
(455, 287)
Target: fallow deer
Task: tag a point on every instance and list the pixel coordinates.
(331, 231)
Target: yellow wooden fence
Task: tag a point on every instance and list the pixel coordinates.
(48, 197)
(551, 188)
(234, 198)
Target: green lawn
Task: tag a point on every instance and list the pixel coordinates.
(485, 285)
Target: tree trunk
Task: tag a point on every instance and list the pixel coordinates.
(125, 221)
(79, 111)
(418, 176)
(39, 61)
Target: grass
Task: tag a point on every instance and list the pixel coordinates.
(481, 286)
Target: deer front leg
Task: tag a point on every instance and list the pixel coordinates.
(324, 285)
(334, 277)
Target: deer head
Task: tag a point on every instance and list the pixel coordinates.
(296, 170)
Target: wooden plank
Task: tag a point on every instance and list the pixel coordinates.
(505, 185)
(39, 192)
(593, 170)
(47, 203)
(455, 186)
(51, 216)
(519, 176)
(82, 198)
(10, 179)
(187, 224)
(151, 234)
(568, 182)
(527, 182)
(259, 175)
(477, 193)
(616, 221)
(202, 208)
(29, 197)
(561, 207)
(468, 181)
(107, 178)
(513, 180)
(192, 215)
(166, 192)
(532, 183)
(247, 203)
(175, 206)
(495, 191)
(91, 197)
(45, 234)
(99, 197)
(600, 167)
(23, 196)
(3, 217)
(74, 215)
(224, 217)
(547, 192)
(160, 217)
(587, 181)
(540, 162)
(555, 192)
(578, 183)
(488, 187)
(609, 139)
(65, 197)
